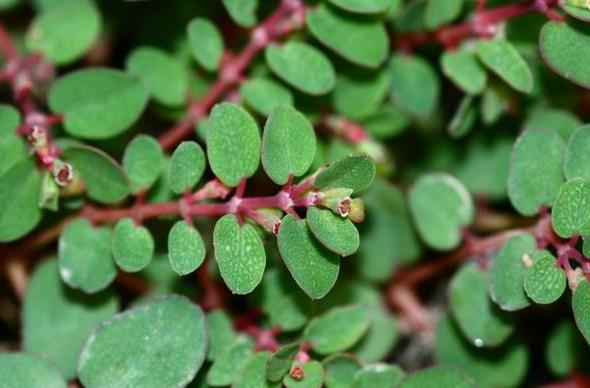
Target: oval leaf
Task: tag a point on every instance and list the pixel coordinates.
(571, 212)
(504, 60)
(186, 249)
(186, 166)
(414, 83)
(338, 234)
(545, 282)
(132, 245)
(355, 172)
(581, 307)
(143, 161)
(206, 43)
(24, 370)
(462, 68)
(576, 163)
(263, 95)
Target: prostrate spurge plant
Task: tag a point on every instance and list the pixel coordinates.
(181, 184)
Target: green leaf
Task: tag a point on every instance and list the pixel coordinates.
(576, 161)
(362, 6)
(355, 172)
(226, 368)
(103, 178)
(441, 207)
(57, 319)
(263, 95)
(579, 13)
(359, 96)
(98, 103)
(186, 166)
(535, 172)
(493, 105)
(206, 43)
(302, 66)
(362, 41)
(288, 144)
(439, 12)
(221, 333)
(254, 373)
(438, 377)
(571, 211)
(65, 31)
(242, 12)
(19, 189)
(561, 121)
(337, 233)
(481, 321)
(414, 84)
(388, 236)
(85, 260)
(378, 375)
(508, 272)
(338, 329)
(313, 267)
(128, 349)
(165, 77)
(545, 282)
(463, 69)
(232, 131)
(239, 253)
(340, 370)
(143, 162)
(463, 118)
(12, 147)
(559, 42)
(132, 245)
(563, 348)
(380, 338)
(20, 370)
(581, 307)
(313, 376)
(502, 58)
(186, 249)
(503, 366)
(279, 363)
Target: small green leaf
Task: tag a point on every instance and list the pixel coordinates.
(98, 103)
(143, 162)
(313, 376)
(535, 172)
(545, 282)
(338, 329)
(378, 375)
(438, 377)
(186, 166)
(439, 12)
(242, 12)
(504, 60)
(579, 13)
(380, 338)
(20, 370)
(65, 31)
(571, 212)
(57, 319)
(508, 272)
(576, 161)
(19, 189)
(581, 307)
(340, 370)
(85, 260)
(354, 172)
(280, 362)
(493, 105)
(563, 347)
(362, 41)
(206, 43)
(226, 368)
(559, 42)
(128, 349)
(186, 249)
(254, 373)
(313, 267)
(239, 253)
(362, 6)
(441, 207)
(302, 66)
(12, 147)
(103, 178)
(288, 144)
(414, 84)
(480, 320)
(463, 118)
(360, 96)
(561, 121)
(165, 77)
(337, 233)
(464, 70)
(232, 131)
(263, 95)
(221, 333)
(132, 245)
